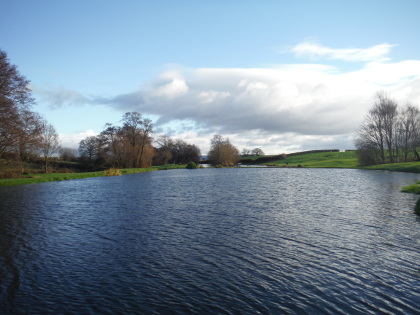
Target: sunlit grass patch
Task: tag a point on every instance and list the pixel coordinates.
(322, 160)
(112, 172)
(409, 167)
(413, 189)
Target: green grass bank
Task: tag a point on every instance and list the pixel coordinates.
(414, 189)
(41, 178)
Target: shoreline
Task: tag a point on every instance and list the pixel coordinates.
(339, 160)
(55, 177)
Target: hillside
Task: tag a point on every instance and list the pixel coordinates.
(347, 159)
(321, 158)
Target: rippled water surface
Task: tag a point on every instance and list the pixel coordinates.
(231, 241)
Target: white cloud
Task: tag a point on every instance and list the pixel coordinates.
(275, 100)
(171, 84)
(314, 50)
(280, 108)
(172, 89)
(72, 140)
(301, 100)
(60, 96)
(389, 74)
(212, 96)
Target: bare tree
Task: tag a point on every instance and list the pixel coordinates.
(89, 148)
(258, 152)
(49, 143)
(29, 137)
(137, 131)
(13, 86)
(410, 129)
(178, 151)
(183, 152)
(129, 145)
(368, 150)
(9, 125)
(132, 132)
(407, 122)
(163, 154)
(369, 141)
(68, 154)
(386, 108)
(15, 98)
(113, 146)
(246, 152)
(378, 130)
(146, 149)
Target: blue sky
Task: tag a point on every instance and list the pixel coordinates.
(280, 75)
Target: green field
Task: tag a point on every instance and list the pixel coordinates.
(340, 160)
(325, 159)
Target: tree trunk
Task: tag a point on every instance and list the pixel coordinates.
(416, 154)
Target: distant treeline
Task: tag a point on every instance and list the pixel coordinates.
(264, 159)
(389, 133)
(312, 151)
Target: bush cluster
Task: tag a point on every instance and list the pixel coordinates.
(191, 165)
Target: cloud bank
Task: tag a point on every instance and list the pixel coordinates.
(279, 108)
(314, 50)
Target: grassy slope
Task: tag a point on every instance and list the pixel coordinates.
(342, 160)
(325, 159)
(40, 178)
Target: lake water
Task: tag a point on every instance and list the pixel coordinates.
(219, 241)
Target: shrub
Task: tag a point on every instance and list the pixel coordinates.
(9, 175)
(113, 172)
(223, 152)
(191, 165)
